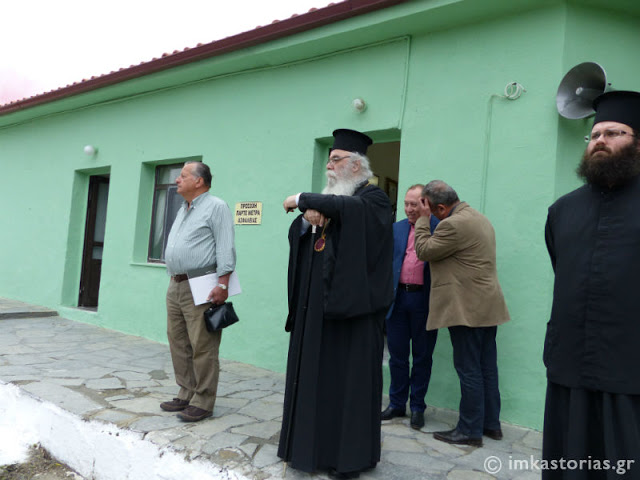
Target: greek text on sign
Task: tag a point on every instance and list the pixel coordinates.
(248, 213)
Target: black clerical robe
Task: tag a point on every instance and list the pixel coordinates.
(593, 336)
(338, 298)
(592, 346)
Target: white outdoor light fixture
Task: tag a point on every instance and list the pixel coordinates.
(359, 105)
(90, 150)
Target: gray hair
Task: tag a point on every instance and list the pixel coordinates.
(365, 166)
(439, 192)
(201, 170)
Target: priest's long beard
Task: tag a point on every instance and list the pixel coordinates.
(338, 184)
(615, 170)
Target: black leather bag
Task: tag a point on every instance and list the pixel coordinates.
(217, 317)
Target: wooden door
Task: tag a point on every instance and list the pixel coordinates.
(93, 241)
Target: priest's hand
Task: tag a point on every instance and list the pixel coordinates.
(314, 217)
(290, 203)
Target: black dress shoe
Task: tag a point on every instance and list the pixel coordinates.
(456, 437)
(391, 412)
(493, 434)
(417, 420)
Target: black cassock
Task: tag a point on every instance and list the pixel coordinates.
(592, 346)
(338, 298)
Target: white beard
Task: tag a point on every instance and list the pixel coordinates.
(340, 186)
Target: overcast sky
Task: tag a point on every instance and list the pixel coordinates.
(47, 44)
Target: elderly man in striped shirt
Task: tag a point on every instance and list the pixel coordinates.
(201, 236)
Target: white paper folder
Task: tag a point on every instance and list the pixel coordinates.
(201, 286)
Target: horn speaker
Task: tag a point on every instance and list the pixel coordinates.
(579, 88)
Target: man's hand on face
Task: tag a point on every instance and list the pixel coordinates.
(425, 211)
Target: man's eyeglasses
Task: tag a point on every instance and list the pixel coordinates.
(335, 160)
(607, 134)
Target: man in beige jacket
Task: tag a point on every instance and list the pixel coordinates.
(465, 297)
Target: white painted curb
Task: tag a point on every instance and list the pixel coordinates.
(95, 450)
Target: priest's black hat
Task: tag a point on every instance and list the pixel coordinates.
(618, 106)
(351, 141)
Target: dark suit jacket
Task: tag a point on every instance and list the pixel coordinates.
(400, 237)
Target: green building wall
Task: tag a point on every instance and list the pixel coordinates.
(433, 75)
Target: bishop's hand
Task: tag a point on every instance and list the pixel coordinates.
(314, 217)
(290, 203)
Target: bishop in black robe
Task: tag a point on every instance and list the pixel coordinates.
(340, 287)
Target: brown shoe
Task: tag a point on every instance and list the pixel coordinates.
(194, 414)
(174, 405)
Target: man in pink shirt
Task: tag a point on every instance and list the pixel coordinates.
(406, 321)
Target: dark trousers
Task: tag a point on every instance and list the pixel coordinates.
(475, 358)
(406, 333)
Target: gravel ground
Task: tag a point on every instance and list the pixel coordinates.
(40, 465)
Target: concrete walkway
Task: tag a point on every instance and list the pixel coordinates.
(103, 377)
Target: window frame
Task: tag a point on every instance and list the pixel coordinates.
(156, 188)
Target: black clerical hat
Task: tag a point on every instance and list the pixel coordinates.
(618, 106)
(351, 141)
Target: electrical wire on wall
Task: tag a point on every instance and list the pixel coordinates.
(405, 87)
(512, 91)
